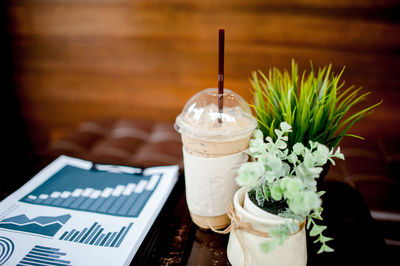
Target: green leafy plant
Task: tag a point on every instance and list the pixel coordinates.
(316, 105)
(277, 175)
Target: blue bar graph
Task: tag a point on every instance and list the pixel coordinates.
(127, 204)
(73, 236)
(123, 235)
(70, 235)
(105, 239)
(92, 234)
(88, 233)
(99, 239)
(64, 235)
(80, 235)
(118, 236)
(41, 255)
(136, 208)
(111, 239)
(96, 235)
(118, 194)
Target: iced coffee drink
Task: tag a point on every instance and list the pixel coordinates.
(213, 145)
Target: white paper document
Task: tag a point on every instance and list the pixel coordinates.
(76, 213)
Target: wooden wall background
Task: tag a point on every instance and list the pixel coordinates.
(76, 60)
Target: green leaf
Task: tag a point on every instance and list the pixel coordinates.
(328, 249)
(311, 200)
(278, 133)
(309, 222)
(249, 174)
(324, 239)
(325, 248)
(276, 192)
(321, 250)
(317, 229)
(294, 185)
(285, 127)
(298, 148)
(267, 246)
(281, 144)
(292, 158)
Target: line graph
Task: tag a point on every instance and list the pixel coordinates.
(41, 225)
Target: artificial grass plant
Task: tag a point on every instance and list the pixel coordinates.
(316, 104)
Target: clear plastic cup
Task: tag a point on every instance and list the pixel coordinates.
(211, 138)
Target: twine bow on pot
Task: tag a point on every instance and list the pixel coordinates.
(237, 226)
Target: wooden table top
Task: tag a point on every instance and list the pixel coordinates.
(175, 240)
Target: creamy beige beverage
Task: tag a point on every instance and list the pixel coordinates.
(213, 152)
(214, 148)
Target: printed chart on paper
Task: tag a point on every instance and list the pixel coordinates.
(73, 208)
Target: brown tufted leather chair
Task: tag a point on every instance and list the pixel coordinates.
(123, 141)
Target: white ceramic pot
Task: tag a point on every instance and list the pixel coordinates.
(293, 252)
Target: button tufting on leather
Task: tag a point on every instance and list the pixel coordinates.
(123, 141)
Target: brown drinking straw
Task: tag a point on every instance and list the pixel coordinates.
(221, 45)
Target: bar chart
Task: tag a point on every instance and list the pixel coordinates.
(95, 235)
(41, 255)
(120, 194)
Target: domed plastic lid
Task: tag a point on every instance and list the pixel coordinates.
(200, 116)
